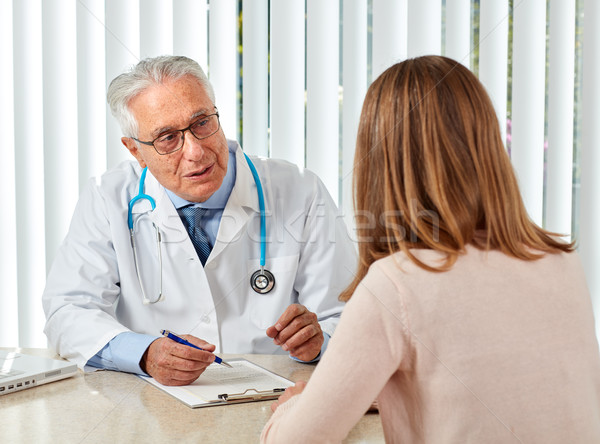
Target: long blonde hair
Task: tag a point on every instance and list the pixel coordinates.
(431, 171)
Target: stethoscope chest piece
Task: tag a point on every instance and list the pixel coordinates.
(262, 281)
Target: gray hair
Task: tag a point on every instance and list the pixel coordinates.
(146, 73)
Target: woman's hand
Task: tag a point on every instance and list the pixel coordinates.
(289, 392)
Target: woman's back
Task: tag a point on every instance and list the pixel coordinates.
(501, 349)
(466, 320)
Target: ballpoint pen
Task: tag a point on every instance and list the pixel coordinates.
(179, 339)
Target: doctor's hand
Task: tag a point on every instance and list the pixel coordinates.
(298, 332)
(171, 363)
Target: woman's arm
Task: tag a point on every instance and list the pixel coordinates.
(368, 346)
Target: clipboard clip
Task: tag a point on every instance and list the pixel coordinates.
(258, 394)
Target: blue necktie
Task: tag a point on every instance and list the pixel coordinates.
(192, 219)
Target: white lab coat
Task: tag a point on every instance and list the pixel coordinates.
(93, 294)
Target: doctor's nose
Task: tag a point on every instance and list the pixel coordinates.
(192, 147)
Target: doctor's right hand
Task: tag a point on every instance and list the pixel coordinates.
(171, 363)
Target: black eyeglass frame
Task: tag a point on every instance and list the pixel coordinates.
(182, 131)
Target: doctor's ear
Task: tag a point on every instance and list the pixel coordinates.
(133, 148)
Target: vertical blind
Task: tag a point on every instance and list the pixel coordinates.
(9, 301)
(290, 77)
(589, 217)
(529, 63)
(493, 53)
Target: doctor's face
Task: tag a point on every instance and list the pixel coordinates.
(197, 170)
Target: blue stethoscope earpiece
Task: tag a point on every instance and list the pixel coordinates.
(262, 280)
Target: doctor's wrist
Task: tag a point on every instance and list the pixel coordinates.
(143, 361)
(146, 361)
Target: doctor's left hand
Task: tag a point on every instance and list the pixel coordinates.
(171, 363)
(298, 331)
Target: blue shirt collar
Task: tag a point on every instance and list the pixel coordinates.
(220, 197)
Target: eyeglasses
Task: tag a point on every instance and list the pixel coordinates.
(172, 141)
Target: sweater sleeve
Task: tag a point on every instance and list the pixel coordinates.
(370, 344)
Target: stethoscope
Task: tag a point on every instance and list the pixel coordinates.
(262, 280)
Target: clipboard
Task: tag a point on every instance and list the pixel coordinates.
(245, 382)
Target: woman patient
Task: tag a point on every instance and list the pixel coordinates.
(466, 321)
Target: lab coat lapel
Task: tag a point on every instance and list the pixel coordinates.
(164, 215)
(241, 206)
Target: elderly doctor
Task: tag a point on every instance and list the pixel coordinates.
(173, 241)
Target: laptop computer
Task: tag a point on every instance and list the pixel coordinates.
(19, 371)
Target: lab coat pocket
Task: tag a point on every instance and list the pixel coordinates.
(266, 308)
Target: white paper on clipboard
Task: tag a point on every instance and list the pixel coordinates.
(219, 385)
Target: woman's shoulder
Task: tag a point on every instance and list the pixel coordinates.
(399, 274)
(401, 263)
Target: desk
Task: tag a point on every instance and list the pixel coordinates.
(112, 407)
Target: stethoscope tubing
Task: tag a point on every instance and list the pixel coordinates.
(262, 281)
(261, 206)
(141, 195)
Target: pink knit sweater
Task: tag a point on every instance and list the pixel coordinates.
(496, 350)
